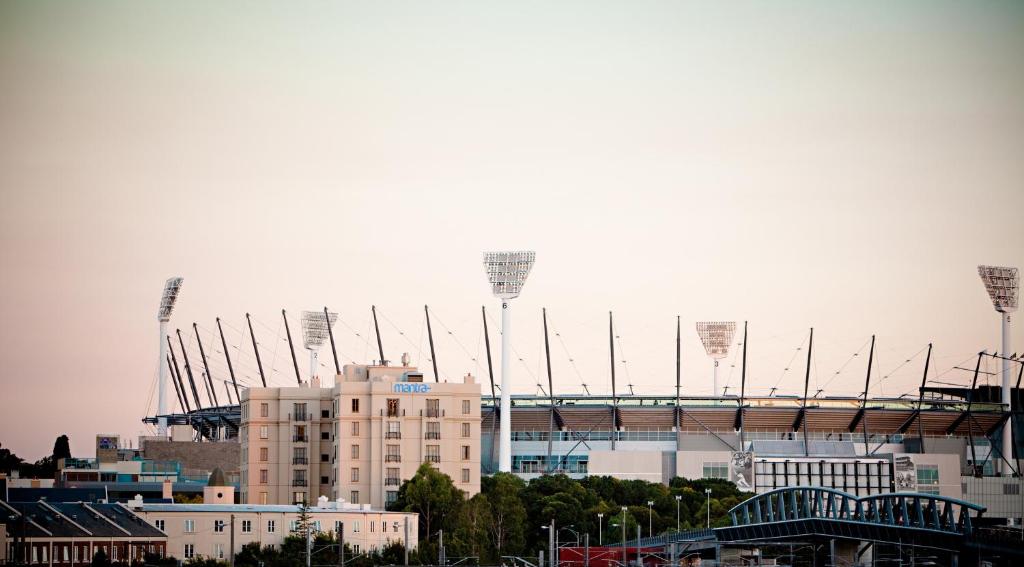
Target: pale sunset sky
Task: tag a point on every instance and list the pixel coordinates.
(841, 165)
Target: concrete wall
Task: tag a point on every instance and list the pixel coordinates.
(690, 464)
(202, 456)
(634, 465)
(1001, 495)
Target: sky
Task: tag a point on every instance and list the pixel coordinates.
(837, 165)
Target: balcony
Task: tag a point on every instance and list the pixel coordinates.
(299, 417)
(300, 438)
(392, 458)
(300, 461)
(432, 435)
(432, 459)
(393, 435)
(433, 412)
(299, 482)
(392, 481)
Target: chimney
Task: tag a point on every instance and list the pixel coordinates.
(168, 490)
(405, 359)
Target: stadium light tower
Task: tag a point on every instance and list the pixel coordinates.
(1002, 284)
(717, 338)
(171, 290)
(507, 272)
(315, 325)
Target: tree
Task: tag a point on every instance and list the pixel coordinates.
(508, 516)
(180, 498)
(432, 495)
(9, 462)
(61, 448)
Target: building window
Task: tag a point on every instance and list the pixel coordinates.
(465, 407)
(264, 432)
(264, 476)
(299, 456)
(264, 454)
(393, 407)
(355, 474)
(189, 551)
(394, 430)
(299, 411)
(465, 452)
(246, 526)
(356, 526)
(271, 526)
(391, 477)
(264, 410)
(355, 429)
(355, 451)
(218, 526)
(1011, 489)
(354, 498)
(716, 470)
(325, 480)
(465, 430)
(465, 475)
(160, 524)
(299, 434)
(299, 477)
(355, 405)
(325, 414)
(372, 526)
(299, 498)
(325, 435)
(390, 497)
(433, 454)
(324, 458)
(338, 525)
(263, 497)
(391, 454)
(433, 408)
(218, 550)
(433, 430)
(190, 526)
(928, 479)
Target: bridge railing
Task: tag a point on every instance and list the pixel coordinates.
(898, 509)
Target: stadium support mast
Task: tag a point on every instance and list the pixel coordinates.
(316, 326)
(1002, 285)
(430, 338)
(172, 287)
(717, 338)
(507, 272)
(291, 347)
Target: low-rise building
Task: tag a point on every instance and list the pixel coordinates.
(205, 530)
(69, 534)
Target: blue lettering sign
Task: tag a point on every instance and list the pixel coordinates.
(411, 388)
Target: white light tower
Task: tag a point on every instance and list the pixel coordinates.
(717, 338)
(314, 332)
(1002, 284)
(171, 290)
(506, 272)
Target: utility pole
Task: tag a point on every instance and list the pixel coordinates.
(551, 544)
(231, 544)
(624, 536)
(586, 549)
(405, 542)
(440, 548)
(309, 545)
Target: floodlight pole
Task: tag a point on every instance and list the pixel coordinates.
(615, 400)
(161, 404)
(505, 414)
(551, 389)
(1007, 399)
(678, 422)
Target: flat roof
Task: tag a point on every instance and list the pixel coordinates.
(282, 508)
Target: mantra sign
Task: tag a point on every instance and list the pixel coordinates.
(411, 388)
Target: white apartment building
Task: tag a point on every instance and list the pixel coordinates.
(359, 440)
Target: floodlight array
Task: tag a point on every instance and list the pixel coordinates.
(507, 271)
(315, 328)
(170, 296)
(716, 337)
(1002, 284)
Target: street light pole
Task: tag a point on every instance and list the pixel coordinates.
(624, 536)
(708, 492)
(600, 537)
(650, 518)
(679, 498)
